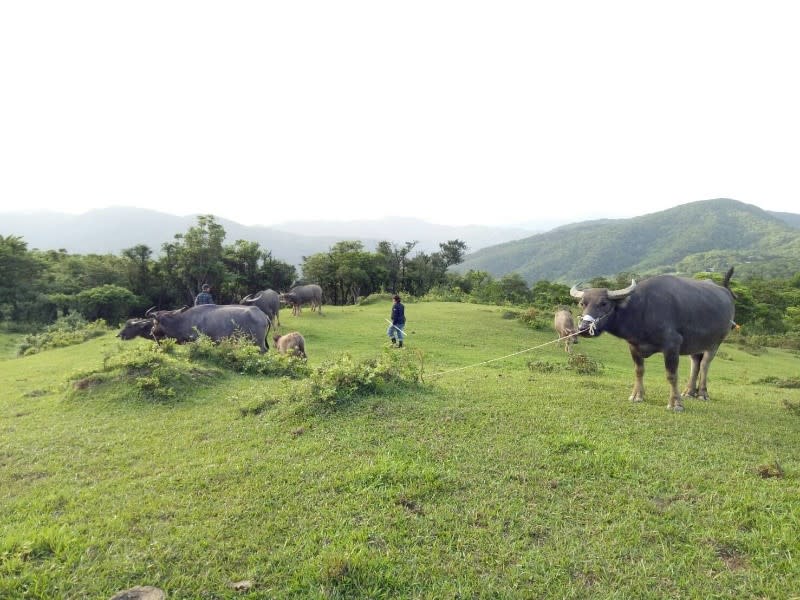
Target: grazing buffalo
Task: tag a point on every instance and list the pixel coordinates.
(303, 294)
(668, 314)
(268, 301)
(139, 328)
(217, 321)
(565, 328)
(292, 344)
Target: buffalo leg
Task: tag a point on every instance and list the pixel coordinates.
(708, 356)
(671, 358)
(637, 395)
(691, 385)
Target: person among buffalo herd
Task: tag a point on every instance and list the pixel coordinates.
(204, 297)
(395, 331)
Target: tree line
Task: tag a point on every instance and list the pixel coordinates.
(39, 286)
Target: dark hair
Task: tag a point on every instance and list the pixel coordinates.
(206, 287)
(396, 297)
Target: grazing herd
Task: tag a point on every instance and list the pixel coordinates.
(254, 316)
(664, 314)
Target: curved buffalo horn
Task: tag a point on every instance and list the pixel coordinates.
(575, 292)
(619, 294)
(248, 298)
(149, 310)
(183, 308)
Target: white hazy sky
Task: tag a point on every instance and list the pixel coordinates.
(456, 112)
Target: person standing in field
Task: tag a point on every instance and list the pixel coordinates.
(204, 297)
(395, 331)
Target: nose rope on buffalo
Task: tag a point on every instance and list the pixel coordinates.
(593, 323)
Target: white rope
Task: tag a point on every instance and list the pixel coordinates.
(486, 362)
(561, 339)
(396, 327)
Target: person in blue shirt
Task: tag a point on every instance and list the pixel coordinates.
(395, 331)
(204, 297)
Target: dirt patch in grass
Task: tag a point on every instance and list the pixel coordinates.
(732, 558)
(410, 505)
(790, 383)
(86, 383)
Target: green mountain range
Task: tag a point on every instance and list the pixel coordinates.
(708, 235)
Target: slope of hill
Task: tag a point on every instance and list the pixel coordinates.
(111, 230)
(709, 234)
(788, 218)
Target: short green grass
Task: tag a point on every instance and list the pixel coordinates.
(520, 478)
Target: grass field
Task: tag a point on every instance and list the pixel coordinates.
(520, 478)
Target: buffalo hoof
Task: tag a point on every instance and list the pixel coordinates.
(689, 394)
(675, 407)
(636, 398)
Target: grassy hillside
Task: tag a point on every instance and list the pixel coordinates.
(688, 238)
(515, 479)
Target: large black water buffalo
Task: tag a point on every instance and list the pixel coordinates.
(304, 294)
(138, 328)
(268, 301)
(668, 314)
(217, 321)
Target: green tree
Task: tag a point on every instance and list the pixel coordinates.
(452, 252)
(243, 262)
(514, 289)
(19, 274)
(139, 269)
(549, 295)
(275, 274)
(199, 258)
(109, 302)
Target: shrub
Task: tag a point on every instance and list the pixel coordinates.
(787, 341)
(582, 364)
(342, 379)
(533, 317)
(445, 294)
(66, 331)
(239, 354)
(543, 366)
(151, 370)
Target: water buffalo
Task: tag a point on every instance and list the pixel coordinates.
(217, 321)
(139, 328)
(565, 327)
(292, 343)
(304, 294)
(268, 301)
(668, 314)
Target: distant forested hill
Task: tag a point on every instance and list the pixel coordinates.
(704, 235)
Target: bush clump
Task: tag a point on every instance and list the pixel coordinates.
(153, 371)
(66, 331)
(239, 354)
(582, 364)
(533, 317)
(343, 379)
(543, 366)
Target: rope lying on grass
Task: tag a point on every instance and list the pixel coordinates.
(561, 339)
(486, 362)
